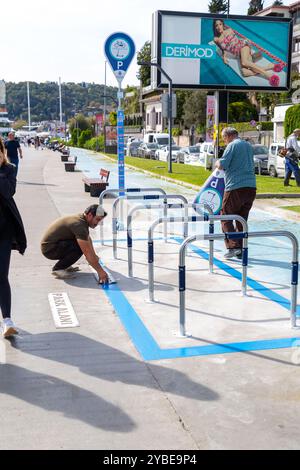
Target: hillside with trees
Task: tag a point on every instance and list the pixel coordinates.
(44, 99)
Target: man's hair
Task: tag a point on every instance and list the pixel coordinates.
(230, 132)
(93, 210)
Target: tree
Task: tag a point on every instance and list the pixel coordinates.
(144, 55)
(277, 3)
(112, 118)
(242, 111)
(195, 109)
(292, 120)
(255, 6)
(218, 6)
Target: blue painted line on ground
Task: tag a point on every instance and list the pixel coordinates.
(263, 290)
(149, 349)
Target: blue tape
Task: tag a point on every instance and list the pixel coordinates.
(236, 235)
(150, 196)
(182, 286)
(245, 256)
(295, 270)
(133, 190)
(129, 241)
(150, 252)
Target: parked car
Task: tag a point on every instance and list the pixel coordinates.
(147, 150)
(160, 139)
(132, 147)
(261, 156)
(189, 155)
(163, 153)
(276, 164)
(207, 155)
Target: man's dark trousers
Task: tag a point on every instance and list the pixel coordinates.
(236, 202)
(67, 252)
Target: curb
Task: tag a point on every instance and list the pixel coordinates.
(197, 188)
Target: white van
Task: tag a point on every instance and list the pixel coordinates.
(276, 164)
(159, 139)
(207, 155)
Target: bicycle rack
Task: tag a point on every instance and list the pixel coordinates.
(211, 237)
(244, 236)
(135, 198)
(113, 192)
(202, 207)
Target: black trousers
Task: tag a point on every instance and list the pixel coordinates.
(5, 291)
(67, 252)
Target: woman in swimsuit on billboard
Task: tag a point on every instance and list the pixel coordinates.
(228, 41)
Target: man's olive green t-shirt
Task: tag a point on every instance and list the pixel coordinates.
(73, 227)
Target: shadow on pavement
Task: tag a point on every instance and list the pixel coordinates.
(107, 363)
(53, 394)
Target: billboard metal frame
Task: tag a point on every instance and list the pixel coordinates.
(158, 17)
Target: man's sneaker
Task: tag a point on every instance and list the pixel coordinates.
(73, 269)
(9, 328)
(63, 274)
(233, 252)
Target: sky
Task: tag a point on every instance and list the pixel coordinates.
(42, 41)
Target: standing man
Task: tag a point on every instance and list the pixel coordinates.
(240, 185)
(13, 150)
(291, 158)
(67, 239)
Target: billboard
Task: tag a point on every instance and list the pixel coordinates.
(222, 52)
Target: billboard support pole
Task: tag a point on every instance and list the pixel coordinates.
(170, 114)
(217, 122)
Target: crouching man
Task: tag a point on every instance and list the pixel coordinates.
(67, 239)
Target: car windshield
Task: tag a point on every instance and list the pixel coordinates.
(162, 140)
(194, 149)
(152, 146)
(260, 150)
(174, 147)
(135, 144)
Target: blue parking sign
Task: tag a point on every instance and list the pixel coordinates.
(119, 50)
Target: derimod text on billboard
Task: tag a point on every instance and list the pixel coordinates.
(222, 52)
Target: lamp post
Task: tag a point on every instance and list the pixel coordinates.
(153, 64)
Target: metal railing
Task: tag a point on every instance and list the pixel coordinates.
(211, 237)
(203, 207)
(165, 198)
(116, 191)
(244, 236)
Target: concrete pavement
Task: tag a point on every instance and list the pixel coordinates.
(88, 388)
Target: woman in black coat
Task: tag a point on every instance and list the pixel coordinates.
(12, 236)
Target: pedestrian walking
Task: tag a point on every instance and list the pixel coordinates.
(291, 156)
(240, 185)
(67, 239)
(14, 151)
(12, 237)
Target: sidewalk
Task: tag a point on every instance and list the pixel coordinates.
(88, 388)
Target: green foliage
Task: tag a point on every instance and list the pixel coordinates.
(176, 132)
(242, 111)
(84, 137)
(217, 6)
(45, 103)
(194, 108)
(17, 125)
(96, 144)
(255, 6)
(292, 120)
(74, 137)
(267, 126)
(81, 122)
(144, 73)
(131, 103)
(113, 118)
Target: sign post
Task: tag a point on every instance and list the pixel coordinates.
(120, 50)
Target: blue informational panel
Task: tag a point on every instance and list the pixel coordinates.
(119, 50)
(121, 159)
